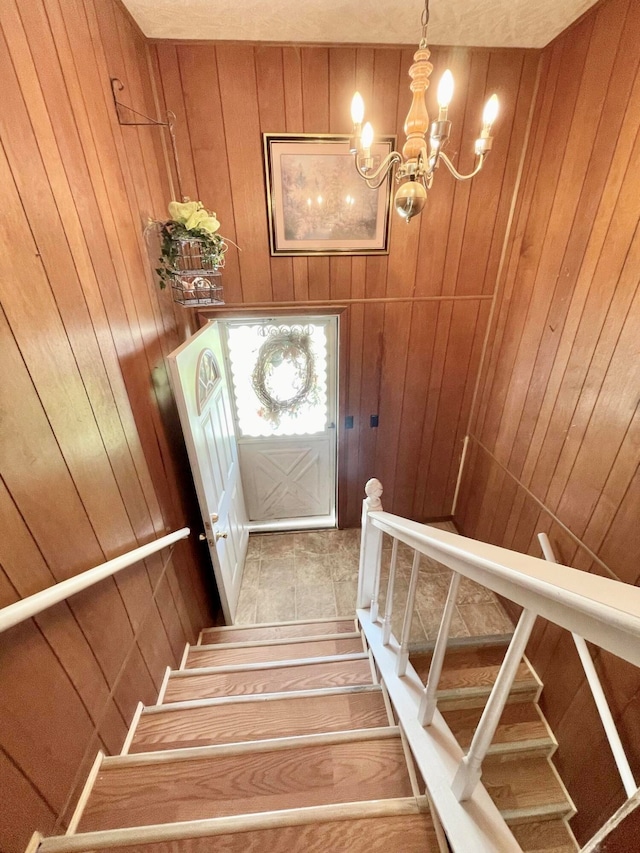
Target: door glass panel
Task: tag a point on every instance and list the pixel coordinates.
(279, 378)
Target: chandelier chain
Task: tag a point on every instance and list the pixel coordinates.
(425, 23)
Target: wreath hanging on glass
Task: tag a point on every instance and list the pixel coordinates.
(287, 353)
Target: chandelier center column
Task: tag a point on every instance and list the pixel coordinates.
(417, 121)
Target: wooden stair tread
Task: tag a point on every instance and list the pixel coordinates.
(521, 725)
(525, 786)
(468, 674)
(199, 657)
(246, 721)
(548, 836)
(273, 632)
(134, 794)
(402, 834)
(274, 680)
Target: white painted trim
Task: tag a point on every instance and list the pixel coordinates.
(282, 525)
(86, 792)
(429, 697)
(388, 706)
(388, 604)
(372, 666)
(473, 827)
(167, 832)
(185, 655)
(593, 845)
(243, 699)
(409, 611)
(34, 843)
(258, 665)
(548, 729)
(470, 769)
(463, 459)
(599, 697)
(30, 606)
(603, 611)
(279, 641)
(163, 686)
(126, 746)
(622, 762)
(259, 625)
(534, 675)
(141, 759)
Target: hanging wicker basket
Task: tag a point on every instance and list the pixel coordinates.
(196, 277)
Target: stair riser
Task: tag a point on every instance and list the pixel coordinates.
(460, 700)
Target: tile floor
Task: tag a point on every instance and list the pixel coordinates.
(312, 575)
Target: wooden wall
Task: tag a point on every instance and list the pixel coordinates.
(86, 421)
(415, 320)
(556, 435)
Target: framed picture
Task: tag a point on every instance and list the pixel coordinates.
(318, 204)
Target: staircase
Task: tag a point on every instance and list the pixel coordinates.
(280, 737)
(272, 737)
(518, 772)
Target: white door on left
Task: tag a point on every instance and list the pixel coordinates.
(197, 374)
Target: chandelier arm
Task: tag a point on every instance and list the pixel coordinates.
(456, 174)
(382, 170)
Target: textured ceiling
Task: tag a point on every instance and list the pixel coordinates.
(483, 23)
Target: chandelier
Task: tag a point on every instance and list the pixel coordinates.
(417, 164)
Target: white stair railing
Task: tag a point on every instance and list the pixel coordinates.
(28, 607)
(601, 610)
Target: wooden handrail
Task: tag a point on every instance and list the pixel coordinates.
(28, 607)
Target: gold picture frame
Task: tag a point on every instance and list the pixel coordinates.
(317, 202)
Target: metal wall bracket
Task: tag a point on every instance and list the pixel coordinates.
(141, 120)
(118, 86)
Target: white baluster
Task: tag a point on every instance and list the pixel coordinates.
(388, 610)
(429, 701)
(470, 768)
(370, 548)
(599, 697)
(403, 657)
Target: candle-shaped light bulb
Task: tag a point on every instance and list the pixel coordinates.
(490, 114)
(445, 93)
(367, 138)
(357, 109)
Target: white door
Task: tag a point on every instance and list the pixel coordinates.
(197, 374)
(284, 386)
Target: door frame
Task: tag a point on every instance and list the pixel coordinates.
(261, 312)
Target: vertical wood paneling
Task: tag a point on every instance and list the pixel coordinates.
(88, 465)
(90, 460)
(555, 443)
(308, 89)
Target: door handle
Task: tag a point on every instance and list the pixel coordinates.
(220, 535)
(202, 538)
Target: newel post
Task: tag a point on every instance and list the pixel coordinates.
(370, 549)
